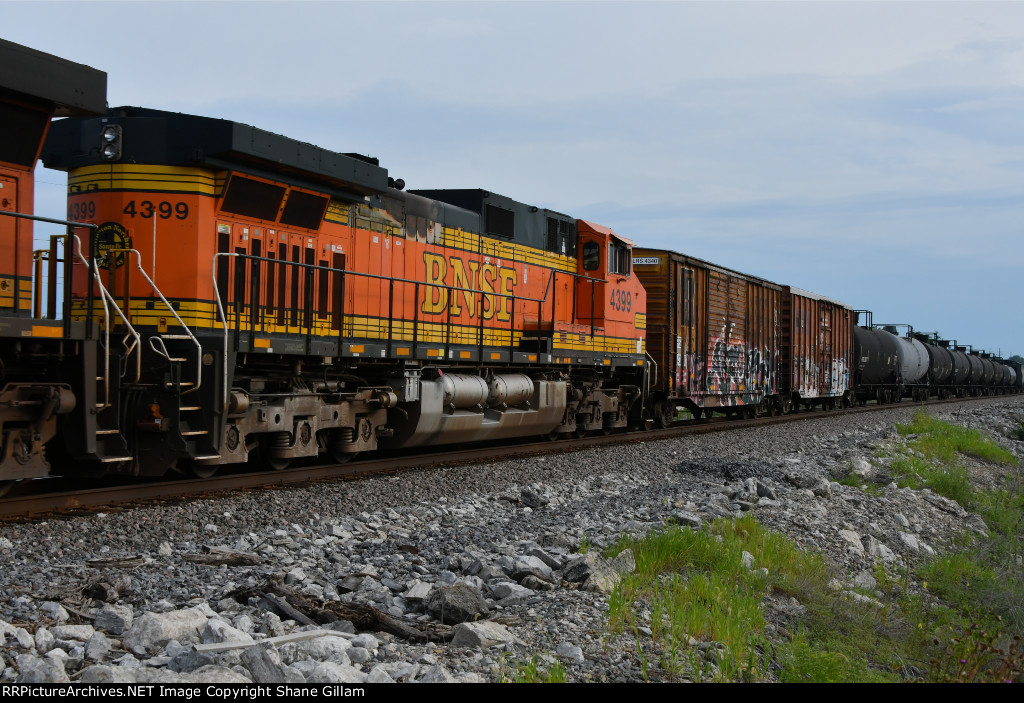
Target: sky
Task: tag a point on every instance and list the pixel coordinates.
(871, 152)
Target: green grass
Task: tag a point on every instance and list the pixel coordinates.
(535, 671)
(950, 481)
(943, 441)
(935, 454)
(951, 618)
(697, 587)
(982, 582)
(803, 662)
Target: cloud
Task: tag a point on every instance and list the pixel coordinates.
(856, 149)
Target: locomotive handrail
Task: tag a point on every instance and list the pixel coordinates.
(199, 347)
(653, 363)
(129, 329)
(69, 224)
(105, 298)
(222, 314)
(298, 264)
(224, 323)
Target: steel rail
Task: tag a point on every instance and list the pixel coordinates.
(94, 499)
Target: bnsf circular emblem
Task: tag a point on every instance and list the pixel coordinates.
(109, 244)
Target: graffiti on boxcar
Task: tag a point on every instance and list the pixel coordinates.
(761, 364)
(812, 383)
(734, 370)
(808, 375)
(840, 377)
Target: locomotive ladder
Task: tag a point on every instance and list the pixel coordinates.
(107, 300)
(158, 344)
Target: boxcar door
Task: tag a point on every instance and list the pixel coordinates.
(825, 380)
(685, 341)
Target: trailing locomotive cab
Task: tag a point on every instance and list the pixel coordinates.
(285, 301)
(38, 348)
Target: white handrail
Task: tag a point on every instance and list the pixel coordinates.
(106, 297)
(224, 323)
(199, 347)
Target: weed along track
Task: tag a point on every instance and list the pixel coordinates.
(869, 547)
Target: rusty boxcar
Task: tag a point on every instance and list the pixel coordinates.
(816, 354)
(714, 334)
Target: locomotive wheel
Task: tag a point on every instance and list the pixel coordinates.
(201, 470)
(5, 487)
(342, 457)
(697, 413)
(554, 435)
(581, 430)
(275, 463)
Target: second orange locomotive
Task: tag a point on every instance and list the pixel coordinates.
(279, 298)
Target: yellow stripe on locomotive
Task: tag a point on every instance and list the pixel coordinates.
(438, 284)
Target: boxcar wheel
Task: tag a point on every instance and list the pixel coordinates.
(663, 413)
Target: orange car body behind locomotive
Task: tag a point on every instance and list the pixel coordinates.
(39, 357)
(288, 299)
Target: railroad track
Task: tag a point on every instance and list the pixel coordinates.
(47, 497)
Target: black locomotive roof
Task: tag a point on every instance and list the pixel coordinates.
(503, 216)
(70, 88)
(176, 139)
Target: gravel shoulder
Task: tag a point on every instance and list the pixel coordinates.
(501, 538)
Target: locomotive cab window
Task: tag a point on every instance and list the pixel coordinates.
(252, 198)
(618, 258)
(303, 210)
(591, 256)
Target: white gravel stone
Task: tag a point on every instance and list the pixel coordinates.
(397, 539)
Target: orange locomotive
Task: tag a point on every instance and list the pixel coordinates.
(41, 357)
(278, 298)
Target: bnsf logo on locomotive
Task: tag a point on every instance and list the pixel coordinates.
(481, 288)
